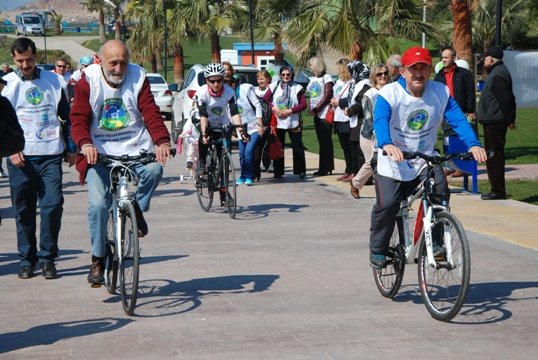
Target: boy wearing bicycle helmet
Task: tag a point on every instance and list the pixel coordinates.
(407, 116)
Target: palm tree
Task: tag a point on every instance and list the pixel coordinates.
(357, 27)
(147, 37)
(212, 18)
(98, 6)
(271, 17)
(57, 20)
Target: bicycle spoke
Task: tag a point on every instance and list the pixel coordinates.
(129, 265)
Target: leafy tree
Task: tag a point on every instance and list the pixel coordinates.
(57, 20)
(98, 6)
(358, 27)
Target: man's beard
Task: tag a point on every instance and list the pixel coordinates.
(113, 78)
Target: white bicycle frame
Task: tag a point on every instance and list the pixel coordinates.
(120, 198)
(412, 245)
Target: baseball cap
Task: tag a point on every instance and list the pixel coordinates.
(416, 55)
(495, 52)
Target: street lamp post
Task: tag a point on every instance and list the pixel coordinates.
(165, 43)
(498, 22)
(250, 19)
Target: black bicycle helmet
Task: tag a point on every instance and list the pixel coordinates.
(213, 70)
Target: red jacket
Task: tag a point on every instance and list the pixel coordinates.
(82, 115)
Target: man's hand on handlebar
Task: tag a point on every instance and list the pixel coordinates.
(479, 153)
(90, 152)
(394, 152)
(163, 153)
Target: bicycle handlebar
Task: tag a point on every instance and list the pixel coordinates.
(435, 159)
(144, 158)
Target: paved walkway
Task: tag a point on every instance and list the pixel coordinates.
(509, 220)
(287, 280)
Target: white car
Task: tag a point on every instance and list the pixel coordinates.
(194, 79)
(161, 93)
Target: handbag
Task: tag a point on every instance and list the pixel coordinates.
(276, 151)
(329, 117)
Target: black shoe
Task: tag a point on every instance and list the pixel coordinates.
(140, 221)
(322, 173)
(48, 270)
(493, 196)
(96, 277)
(302, 175)
(26, 272)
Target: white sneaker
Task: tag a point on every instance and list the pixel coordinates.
(3, 174)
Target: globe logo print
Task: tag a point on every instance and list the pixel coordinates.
(417, 119)
(240, 109)
(315, 90)
(217, 110)
(113, 116)
(34, 96)
(281, 103)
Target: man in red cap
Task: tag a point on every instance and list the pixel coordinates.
(407, 116)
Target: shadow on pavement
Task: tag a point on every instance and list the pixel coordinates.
(51, 333)
(486, 303)
(161, 297)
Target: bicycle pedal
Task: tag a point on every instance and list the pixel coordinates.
(95, 285)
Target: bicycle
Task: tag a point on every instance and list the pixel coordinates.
(438, 244)
(219, 173)
(122, 228)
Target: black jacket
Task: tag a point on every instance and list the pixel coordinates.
(464, 88)
(497, 103)
(11, 134)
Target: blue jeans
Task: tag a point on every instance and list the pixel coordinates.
(100, 199)
(246, 156)
(38, 182)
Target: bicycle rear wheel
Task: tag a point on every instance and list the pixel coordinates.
(130, 259)
(228, 182)
(111, 259)
(205, 184)
(444, 287)
(389, 278)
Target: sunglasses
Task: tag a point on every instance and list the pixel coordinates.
(379, 74)
(215, 81)
(285, 74)
(61, 66)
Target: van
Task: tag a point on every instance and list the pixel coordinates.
(29, 24)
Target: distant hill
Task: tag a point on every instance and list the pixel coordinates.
(72, 10)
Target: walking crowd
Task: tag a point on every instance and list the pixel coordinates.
(106, 107)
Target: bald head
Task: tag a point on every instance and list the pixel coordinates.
(114, 57)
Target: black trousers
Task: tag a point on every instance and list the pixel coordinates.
(343, 137)
(299, 161)
(495, 140)
(389, 195)
(324, 132)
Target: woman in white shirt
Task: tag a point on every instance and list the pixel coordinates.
(320, 89)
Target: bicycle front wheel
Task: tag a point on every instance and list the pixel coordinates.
(229, 185)
(445, 285)
(389, 278)
(205, 184)
(129, 263)
(111, 259)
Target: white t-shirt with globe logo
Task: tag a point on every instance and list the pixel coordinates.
(316, 91)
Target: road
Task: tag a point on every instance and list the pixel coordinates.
(70, 44)
(288, 279)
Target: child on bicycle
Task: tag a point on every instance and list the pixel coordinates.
(407, 116)
(217, 107)
(188, 141)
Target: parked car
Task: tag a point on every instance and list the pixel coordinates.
(161, 93)
(194, 79)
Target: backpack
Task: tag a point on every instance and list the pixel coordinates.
(267, 113)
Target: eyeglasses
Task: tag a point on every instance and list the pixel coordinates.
(214, 81)
(61, 66)
(285, 74)
(379, 74)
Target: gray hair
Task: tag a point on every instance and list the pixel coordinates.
(395, 60)
(317, 65)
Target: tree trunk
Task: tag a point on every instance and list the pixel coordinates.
(117, 21)
(215, 47)
(153, 61)
(158, 60)
(462, 38)
(279, 51)
(179, 64)
(102, 30)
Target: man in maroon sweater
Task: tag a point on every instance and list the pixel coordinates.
(114, 113)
